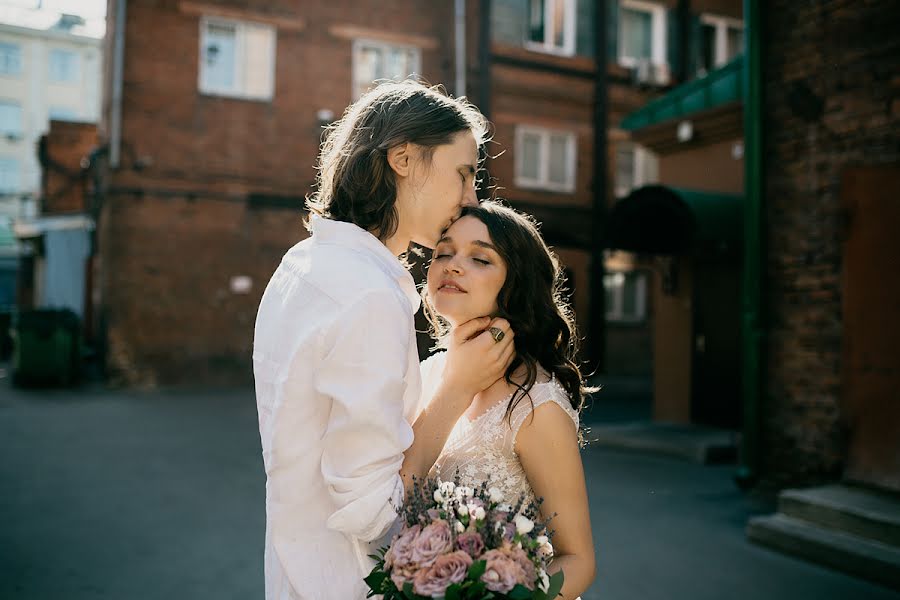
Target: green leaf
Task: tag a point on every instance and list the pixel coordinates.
(520, 592)
(556, 583)
(477, 569)
(477, 590)
(452, 592)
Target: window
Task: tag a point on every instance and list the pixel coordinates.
(721, 39)
(551, 26)
(10, 119)
(377, 60)
(63, 113)
(64, 66)
(626, 296)
(642, 39)
(10, 59)
(545, 159)
(237, 59)
(635, 167)
(9, 175)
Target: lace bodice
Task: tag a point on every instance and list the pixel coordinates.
(484, 449)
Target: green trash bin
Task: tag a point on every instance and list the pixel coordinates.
(46, 347)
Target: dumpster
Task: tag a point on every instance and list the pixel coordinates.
(46, 347)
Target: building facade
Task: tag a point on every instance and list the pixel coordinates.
(50, 66)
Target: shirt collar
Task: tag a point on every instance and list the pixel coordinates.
(347, 234)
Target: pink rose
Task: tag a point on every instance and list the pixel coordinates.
(446, 570)
(401, 575)
(471, 543)
(502, 573)
(400, 552)
(528, 571)
(431, 542)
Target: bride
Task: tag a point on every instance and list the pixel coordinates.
(521, 433)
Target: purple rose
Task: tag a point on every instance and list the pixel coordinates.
(471, 543)
(431, 542)
(508, 532)
(446, 570)
(501, 573)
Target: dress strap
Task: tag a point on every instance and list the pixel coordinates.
(541, 393)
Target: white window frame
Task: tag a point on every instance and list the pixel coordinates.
(645, 168)
(358, 88)
(722, 24)
(615, 310)
(569, 29)
(658, 35)
(543, 180)
(239, 90)
(17, 133)
(13, 57)
(74, 75)
(17, 174)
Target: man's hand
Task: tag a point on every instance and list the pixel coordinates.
(474, 359)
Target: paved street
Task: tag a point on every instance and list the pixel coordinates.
(160, 495)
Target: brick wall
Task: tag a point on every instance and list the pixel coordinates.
(180, 216)
(831, 100)
(64, 185)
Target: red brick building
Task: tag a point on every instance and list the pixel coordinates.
(213, 134)
(831, 125)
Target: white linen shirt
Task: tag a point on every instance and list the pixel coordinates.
(337, 390)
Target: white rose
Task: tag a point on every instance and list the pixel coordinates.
(460, 527)
(496, 496)
(447, 488)
(543, 581)
(541, 540)
(478, 513)
(463, 510)
(546, 550)
(438, 497)
(464, 492)
(523, 524)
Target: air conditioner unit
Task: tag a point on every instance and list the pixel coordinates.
(647, 73)
(642, 72)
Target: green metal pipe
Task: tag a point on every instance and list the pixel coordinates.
(752, 326)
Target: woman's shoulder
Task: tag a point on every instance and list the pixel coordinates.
(546, 390)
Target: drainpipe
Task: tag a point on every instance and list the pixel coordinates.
(118, 58)
(752, 327)
(597, 323)
(484, 58)
(460, 48)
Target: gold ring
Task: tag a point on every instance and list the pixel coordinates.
(496, 333)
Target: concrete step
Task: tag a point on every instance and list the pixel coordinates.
(842, 551)
(704, 445)
(865, 513)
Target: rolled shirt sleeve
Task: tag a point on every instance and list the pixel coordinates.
(363, 371)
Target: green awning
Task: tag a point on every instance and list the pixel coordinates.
(717, 88)
(657, 219)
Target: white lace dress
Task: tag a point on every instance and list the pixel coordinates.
(484, 449)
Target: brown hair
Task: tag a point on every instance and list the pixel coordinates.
(355, 183)
(532, 299)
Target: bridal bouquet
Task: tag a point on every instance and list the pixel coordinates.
(464, 543)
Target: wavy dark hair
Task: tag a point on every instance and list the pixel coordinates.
(355, 183)
(532, 299)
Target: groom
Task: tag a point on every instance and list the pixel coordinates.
(342, 424)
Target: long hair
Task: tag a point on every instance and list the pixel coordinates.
(532, 299)
(355, 183)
